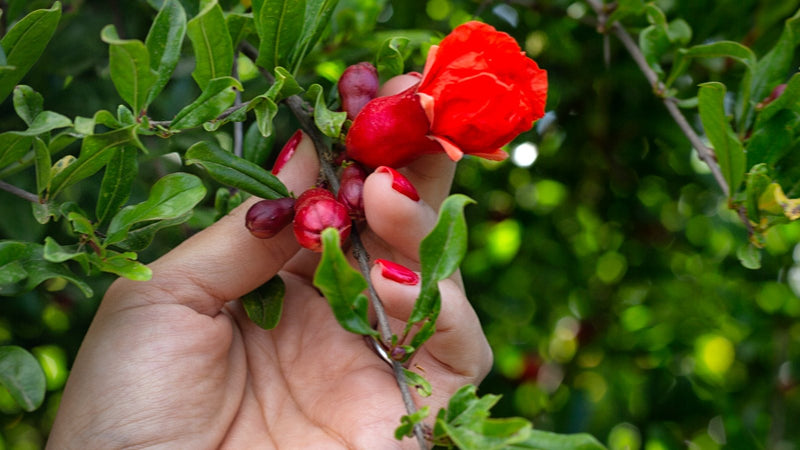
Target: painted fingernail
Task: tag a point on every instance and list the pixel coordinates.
(288, 150)
(398, 273)
(400, 183)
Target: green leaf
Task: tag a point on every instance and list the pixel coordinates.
(117, 181)
(22, 375)
(27, 103)
(140, 237)
(218, 95)
(773, 67)
(237, 172)
(170, 197)
(13, 146)
(719, 49)
(239, 26)
(408, 422)
(749, 256)
(43, 163)
(467, 423)
(329, 122)
(418, 382)
(654, 42)
(343, 286)
(788, 100)
(25, 42)
(129, 63)
(727, 146)
(757, 181)
(279, 24)
(56, 253)
(440, 254)
(390, 57)
(30, 257)
(45, 122)
(96, 151)
(212, 44)
(546, 440)
(316, 18)
(125, 265)
(265, 304)
(256, 148)
(772, 139)
(284, 86)
(265, 110)
(626, 8)
(163, 42)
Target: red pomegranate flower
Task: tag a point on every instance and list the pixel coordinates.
(478, 92)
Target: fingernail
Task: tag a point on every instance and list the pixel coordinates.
(400, 183)
(398, 273)
(287, 151)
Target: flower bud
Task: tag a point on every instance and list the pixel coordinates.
(312, 194)
(316, 213)
(390, 131)
(357, 86)
(268, 217)
(351, 190)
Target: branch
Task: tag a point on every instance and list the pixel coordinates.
(237, 126)
(303, 112)
(704, 152)
(223, 115)
(21, 193)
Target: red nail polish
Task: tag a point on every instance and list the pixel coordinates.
(398, 273)
(400, 183)
(288, 150)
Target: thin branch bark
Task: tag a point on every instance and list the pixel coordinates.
(237, 126)
(21, 193)
(704, 152)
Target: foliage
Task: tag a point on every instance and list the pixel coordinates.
(605, 266)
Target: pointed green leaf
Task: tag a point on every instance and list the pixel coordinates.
(239, 26)
(265, 304)
(257, 148)
(329, 122)
(37, 269)
(265, 111)
(22, 376)
(728, 148)
(218, 95)
(13, 146)
(719, 49)
(773, 67)
(129, 63)
(390, 57)
(46, 121)
(124, 265)
(757, 181)
(546, 440)
(418, 382)
(163, 42)
(121, 171)
(96, 151)
(441, 253)
(342, 286)
(43, 163)
(408, 422)
(279, 24)
(316, 18)
(213, 49)
(285, 85)
(227, 168)
(171, 196)
(24, 43)
(27, 103)
(140, 237)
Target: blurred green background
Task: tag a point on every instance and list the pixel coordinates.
(603, 258)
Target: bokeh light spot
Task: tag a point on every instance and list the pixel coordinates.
(524, 154)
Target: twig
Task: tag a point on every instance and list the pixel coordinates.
(302, 111)
(224, 115)
(237, 126)
(21, 193)
(705, 153)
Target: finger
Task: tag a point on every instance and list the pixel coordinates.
(458, 347)
(225, 261)
(395, 216)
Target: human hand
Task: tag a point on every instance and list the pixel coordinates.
(175, 362)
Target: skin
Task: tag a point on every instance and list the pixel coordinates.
(175, 363)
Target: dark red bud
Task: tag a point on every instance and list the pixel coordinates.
(351, 190)
(357, 86)
(317, 213)
(268, 217)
